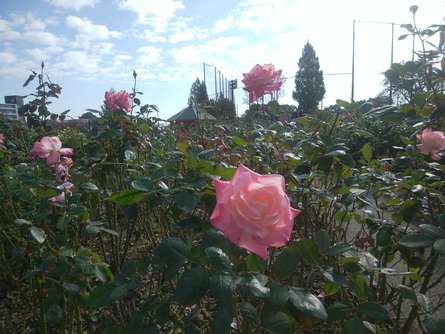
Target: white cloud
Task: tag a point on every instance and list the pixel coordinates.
(72, 4)
(6, 31)
(9, 35)
(224, 24)
(150, 36)
(214, 51)
(153, 12)
(41, 37)
(122, 57)
(7, 57)
(78, 62)
(88, 31)
(148, 55)
(4, 25)
(187, 34)
(29, 22)
(44, 54)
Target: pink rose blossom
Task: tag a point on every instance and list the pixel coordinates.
(117, 100)
(2, 141)
(68, 188)
(58, 198)
(253, 211)
(262, 80)
(432, 142)
(51, 149)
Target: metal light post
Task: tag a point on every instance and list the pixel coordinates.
(353, 52)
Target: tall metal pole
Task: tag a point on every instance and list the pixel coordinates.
(353, 61)
(216, 89)
(204, 72)
(220, 86)
(392, 59)
(414, 47)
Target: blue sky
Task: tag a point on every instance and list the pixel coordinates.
(90, 46)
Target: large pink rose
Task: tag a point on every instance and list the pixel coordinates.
(432, 142)
(51, 149)
(117, 100)
(262, 80)
(253, 211)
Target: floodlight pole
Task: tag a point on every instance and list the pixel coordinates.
(392, 59)
(353, 51)
(353, 62)
(216, 93)
(204, 72)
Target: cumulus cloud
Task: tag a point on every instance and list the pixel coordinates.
(88, 31)
(153, 12)
(7, 57)
(153, 37)
(40, 37)
(148, 55)
(72, 4)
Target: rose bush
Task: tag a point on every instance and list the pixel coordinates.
(135, 230)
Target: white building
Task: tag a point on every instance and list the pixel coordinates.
(11, 109)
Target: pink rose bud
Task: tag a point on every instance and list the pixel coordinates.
(2, 139)
(58, 198)
(432, 142)
(50, 148)
(117, 100)
(253, 211)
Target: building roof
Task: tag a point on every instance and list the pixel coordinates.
(190, 113)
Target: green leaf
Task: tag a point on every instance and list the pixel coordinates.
(338, 249)
(322, 240)
(186, 200)
(374, 311)
(286, 263)
(22, 222)
(336, 153)
(191, 286)
(223, 316)
(172, 251)
(356, 326)
(100, 295)
(249, 312)
(38, 234)
(307, 251)
(127, 197)
(433, 230)
(221, 285)
(367, 152)
(254, 262)
(238, 141)
(416, 240)
(279, 294)
(70, 288)
(339, 311)
(278, 323)
(218, 258)
(88, 186)
(103, 272)
(439, 246)
(407, 292)
(254, 286)
(359, 285)
(307, 303)
(434, 325)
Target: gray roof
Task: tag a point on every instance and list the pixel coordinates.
(190, 114)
